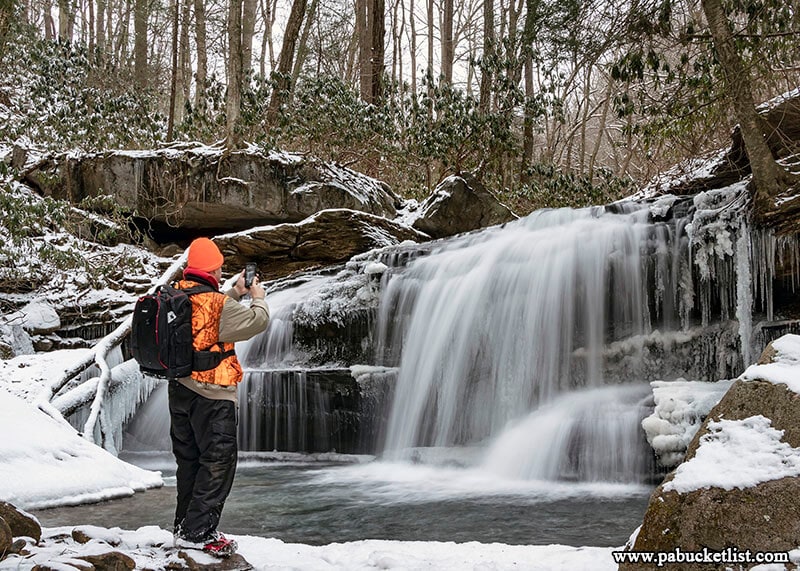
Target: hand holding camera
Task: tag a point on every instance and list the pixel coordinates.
(248, 282)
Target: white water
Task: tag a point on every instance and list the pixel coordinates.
(489, 323)
(592, 435)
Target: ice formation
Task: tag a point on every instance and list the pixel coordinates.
(680, 408)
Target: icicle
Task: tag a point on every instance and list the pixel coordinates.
(744, 292)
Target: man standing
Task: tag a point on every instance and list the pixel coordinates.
(203, 406)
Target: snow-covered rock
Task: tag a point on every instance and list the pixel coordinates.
(204, 187)
(37, 317)
(740, 483)
(327, 237)
(459, 204)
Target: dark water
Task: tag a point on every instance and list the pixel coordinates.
(320, 503)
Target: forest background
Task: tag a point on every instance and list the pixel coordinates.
(549, 102)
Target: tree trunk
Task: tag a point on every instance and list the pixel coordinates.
(378, 27)
(184, 59)
(99, 25)
(527, 125)
(248, 30)
(282, 75)
(173, 84)
(140, 43)
(413, 53)
(202, 52)
(448, 46)
(768, 176)
(66, 20)
(302, 47)
(364, 49)
(429, 67)
(233, 98)
(267, 45)
(488, 47)
(49, 24)
(90, 26)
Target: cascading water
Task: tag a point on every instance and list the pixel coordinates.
(591, 435)
(488, 324)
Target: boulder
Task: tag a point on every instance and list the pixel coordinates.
(109, 561)
(330, 236)
(204, 188)
(459, 204)
(202, 562)
(6, 538)
(760, 517)
(22, 524)
(38, 317)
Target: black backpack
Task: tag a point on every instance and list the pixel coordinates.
(161, 334)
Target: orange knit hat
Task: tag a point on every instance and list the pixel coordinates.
(204, 255)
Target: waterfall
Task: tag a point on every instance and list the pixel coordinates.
(489, 323)
(592, 435)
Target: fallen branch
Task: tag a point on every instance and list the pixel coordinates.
(100, 351)
(110, 341)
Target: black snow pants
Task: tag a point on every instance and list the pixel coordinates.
(203, 435)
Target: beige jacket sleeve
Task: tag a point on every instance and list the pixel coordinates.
(238, 322)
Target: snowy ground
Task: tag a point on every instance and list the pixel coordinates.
(149, 547)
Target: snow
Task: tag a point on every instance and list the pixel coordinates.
(375, 268)
(785, 368)
(150, 547)
(680, 407)
(775, 101)
(37, 316)
(26, 376)
(45, 463)
(737, 454)
(690, 170)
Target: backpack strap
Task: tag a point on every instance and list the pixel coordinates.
(204, 360)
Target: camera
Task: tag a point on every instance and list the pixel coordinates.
(249, 275)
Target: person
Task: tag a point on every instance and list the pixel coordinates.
(203, 407)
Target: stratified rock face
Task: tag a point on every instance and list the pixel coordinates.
(204, 189)
(460, 204)
(330, 236)
(760, 517)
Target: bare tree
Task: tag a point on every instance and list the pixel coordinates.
(267, 46)
(448, 45)
(302, 47)
(768, 176)
(66, 20)
(282, 75)
(233, 98)
(173, 84)
(488, 50)
(140, 16)
(49, 24)
(248, 30)
(413, 38)
(378, 47)
(363, 25)
(202, 53)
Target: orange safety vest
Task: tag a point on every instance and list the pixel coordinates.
(206, 315)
